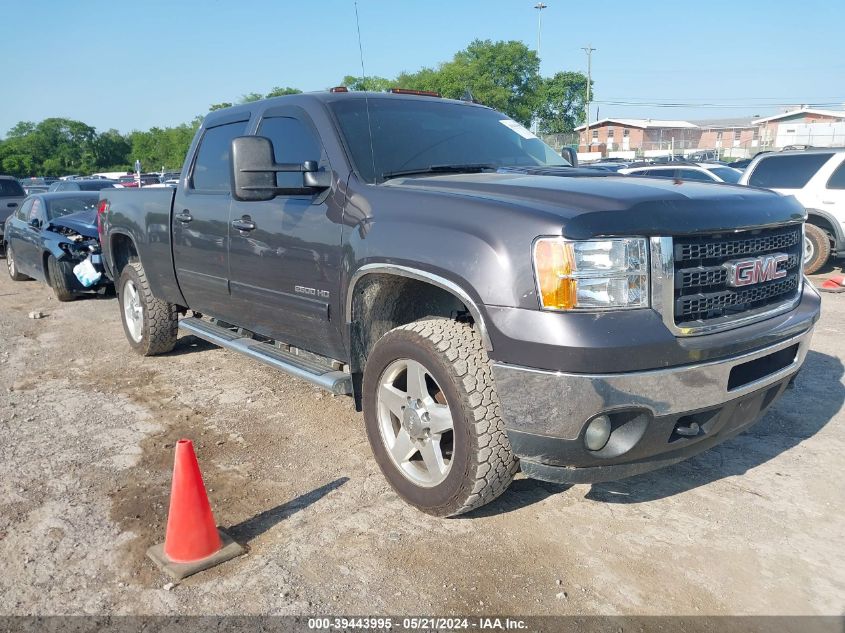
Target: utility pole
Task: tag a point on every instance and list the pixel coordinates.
(589, 50)
(539, 6)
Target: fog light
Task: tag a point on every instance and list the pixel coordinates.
(597, 434)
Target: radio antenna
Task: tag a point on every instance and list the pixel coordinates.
(360, 46)
(366, 98)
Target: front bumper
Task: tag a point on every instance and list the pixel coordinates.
(652, 412)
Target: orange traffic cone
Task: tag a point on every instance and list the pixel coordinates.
(192, 542)
(834, 284)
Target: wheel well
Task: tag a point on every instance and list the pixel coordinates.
(123, 251)
(824, 224)
(383, 302)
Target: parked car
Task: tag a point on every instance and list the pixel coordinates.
(11, 196)
(740, 164)
(49, 235)
(606, 166)
(687, 171)
(816, 178)
(87, 184)
(130, 181)
(486, 305)
(33, 189)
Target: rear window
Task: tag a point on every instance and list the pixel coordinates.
(95, 186)
(837, 180)
(787, 172)
(11, 188)
(58, 207)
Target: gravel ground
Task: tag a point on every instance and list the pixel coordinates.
(754, 526)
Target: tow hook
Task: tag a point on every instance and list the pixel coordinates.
(689, 430)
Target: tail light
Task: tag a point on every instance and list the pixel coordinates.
(102, 209)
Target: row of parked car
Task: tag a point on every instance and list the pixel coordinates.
(47, 234)
(96, 183)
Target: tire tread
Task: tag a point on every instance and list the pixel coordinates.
(494, 465)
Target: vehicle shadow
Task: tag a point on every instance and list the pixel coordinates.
(245, 531)
(520, 494)
(189, 344)
(802, 412)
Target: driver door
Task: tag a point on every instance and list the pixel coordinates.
(285, 253)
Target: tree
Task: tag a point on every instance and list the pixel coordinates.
(502, 75)
(280, 92)
(220, 106)
(562, 102)
(372, 84)
(252, 96)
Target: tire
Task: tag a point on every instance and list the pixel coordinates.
(458, 382)
(150, 324)
(12, 267)
(816, 248)
(58, 279)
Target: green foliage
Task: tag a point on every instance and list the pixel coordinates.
(373, 84)
(502, 75)
(252, 96)
(562, 102)
(280, 92)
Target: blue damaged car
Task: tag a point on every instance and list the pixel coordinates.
(49, 235)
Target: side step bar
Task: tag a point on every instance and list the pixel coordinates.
(335, 381)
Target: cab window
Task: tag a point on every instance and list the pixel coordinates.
(211, 168)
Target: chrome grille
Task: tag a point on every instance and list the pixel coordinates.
(701, 291)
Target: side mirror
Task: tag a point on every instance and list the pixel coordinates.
(570, 154)
(35, 223)
(254, 170)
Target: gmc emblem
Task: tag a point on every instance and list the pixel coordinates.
(746, 272)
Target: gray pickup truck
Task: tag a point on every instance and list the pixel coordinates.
(487, 305)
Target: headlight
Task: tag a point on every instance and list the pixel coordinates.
(591, 275)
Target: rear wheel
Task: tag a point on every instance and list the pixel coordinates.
(816, 248)
(12, 265)
(433, 418)
(57, 275)
(150, 324)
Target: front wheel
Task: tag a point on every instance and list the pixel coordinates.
(816, 248)
(433, 418)
(58, 277)
(150, 324)
(12, 265)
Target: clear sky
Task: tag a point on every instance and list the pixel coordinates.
(133, 65)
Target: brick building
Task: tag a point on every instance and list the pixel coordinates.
(780, 130)
(638, 134)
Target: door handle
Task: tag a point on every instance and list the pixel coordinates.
(185, 216)
(12, 204)
(244, 224)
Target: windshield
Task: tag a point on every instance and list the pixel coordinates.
(728, 174)
(58, 207)
(416, 134)
(10, 188)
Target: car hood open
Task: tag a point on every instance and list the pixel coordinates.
(83, 222)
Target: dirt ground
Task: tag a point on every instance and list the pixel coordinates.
(754, 526)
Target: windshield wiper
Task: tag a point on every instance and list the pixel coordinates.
(467, 168)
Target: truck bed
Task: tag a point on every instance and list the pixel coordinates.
(144, 216)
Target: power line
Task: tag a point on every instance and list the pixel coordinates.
(655, 104)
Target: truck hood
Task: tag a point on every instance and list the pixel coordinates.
(83, 222)
(591, 206)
